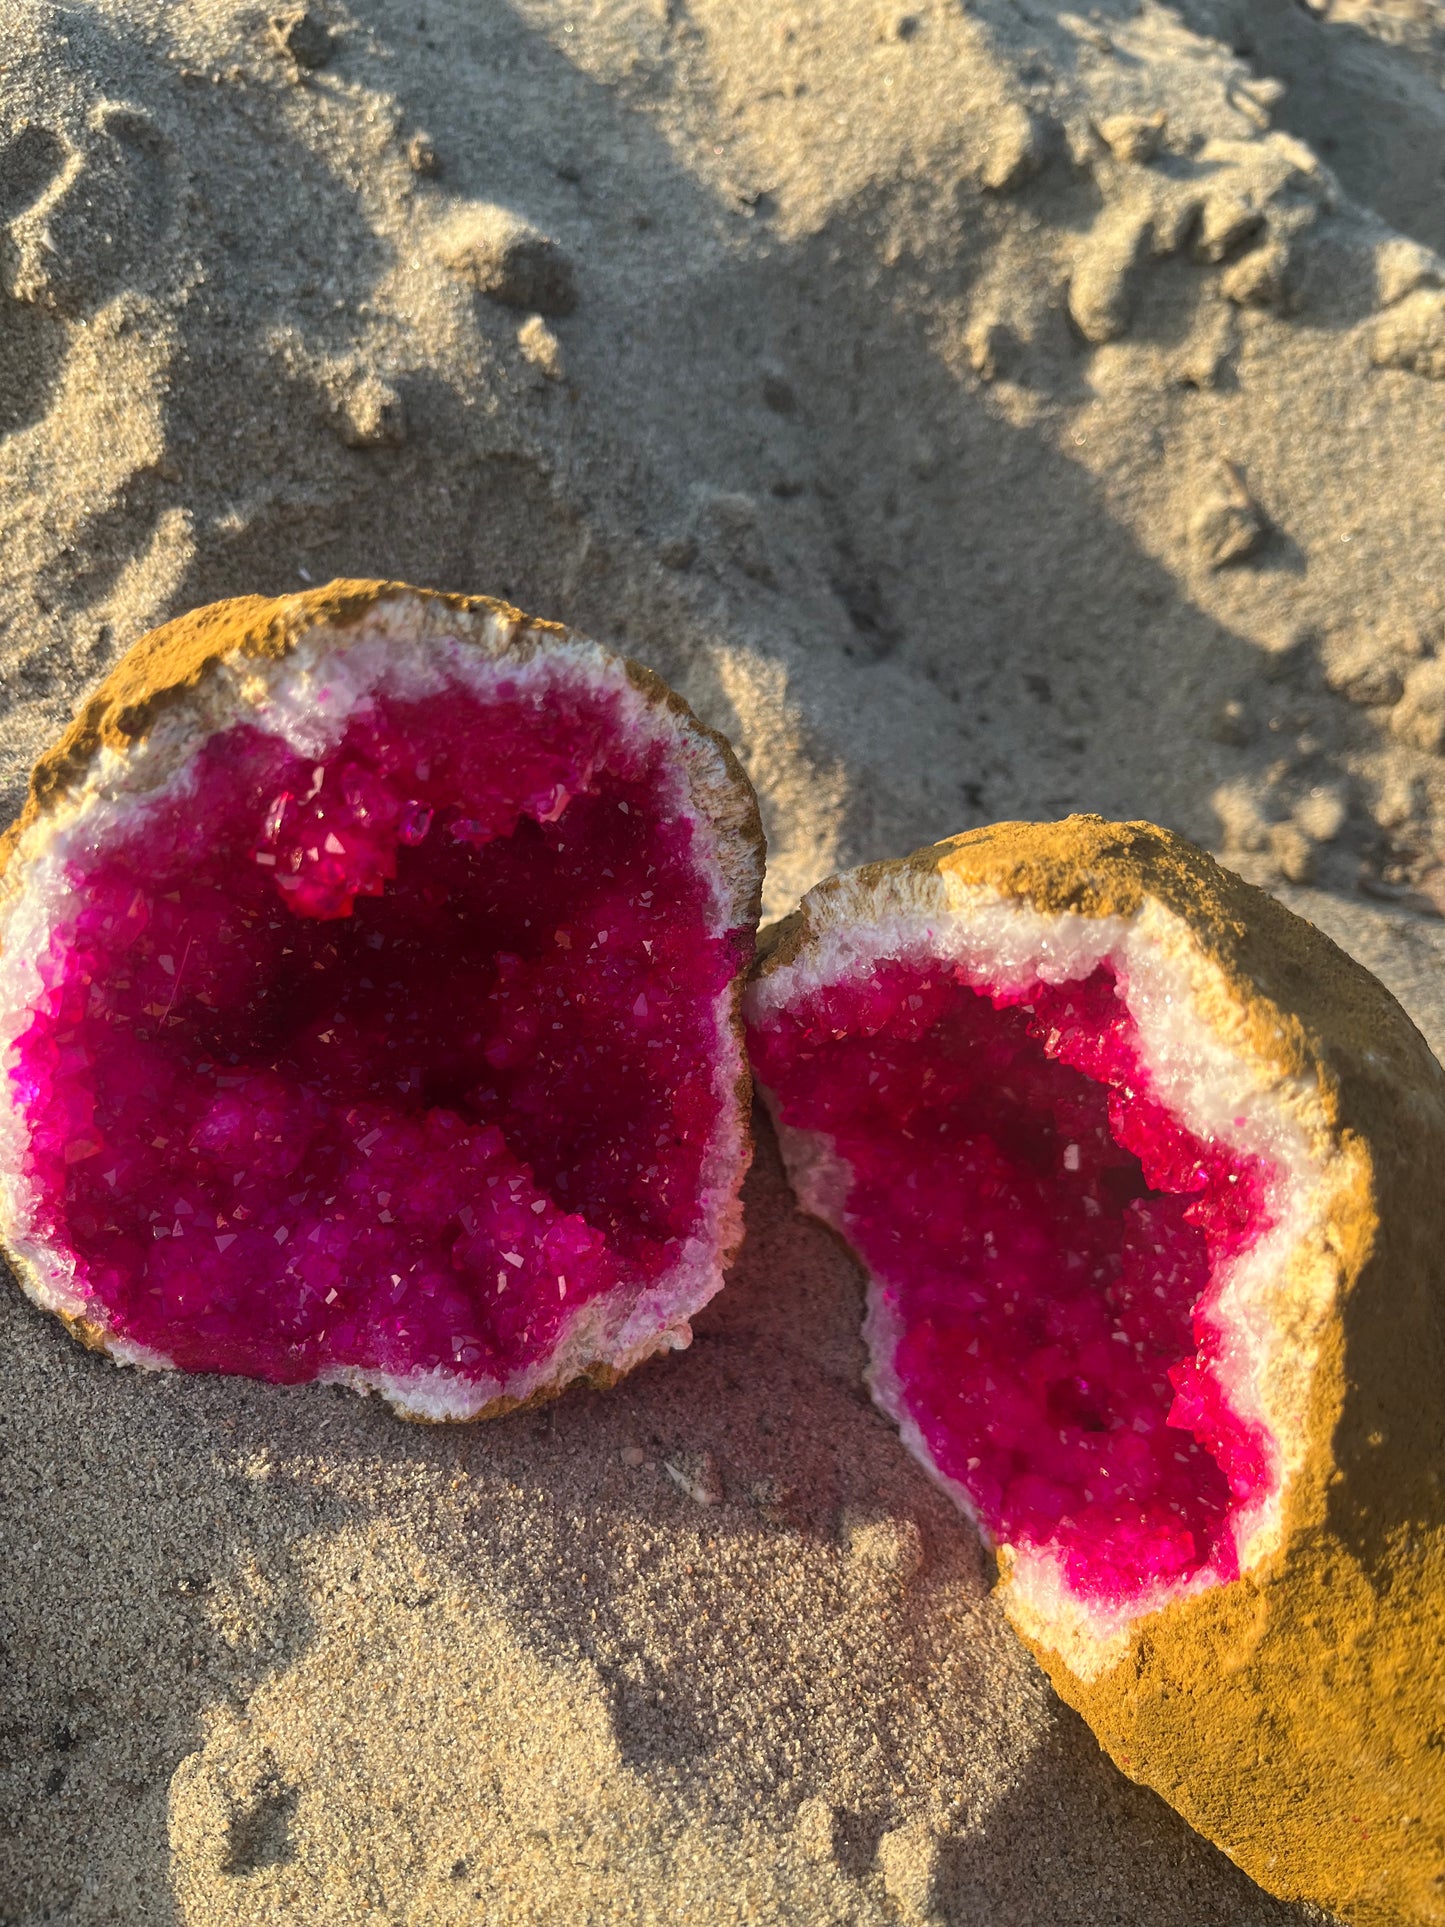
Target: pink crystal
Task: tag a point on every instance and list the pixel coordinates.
(310, 1088)
(1044, 1232)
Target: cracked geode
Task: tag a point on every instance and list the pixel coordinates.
(368, 990)
(1145, 1177)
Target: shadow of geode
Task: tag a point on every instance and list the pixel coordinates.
(1035, 1856)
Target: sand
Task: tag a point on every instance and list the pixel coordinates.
(975, 411)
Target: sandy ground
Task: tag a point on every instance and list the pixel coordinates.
(976, 411)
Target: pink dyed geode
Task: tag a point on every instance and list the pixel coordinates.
(1145, 1177)
(1042, 1230)
(1062, 1189)
(368, 992)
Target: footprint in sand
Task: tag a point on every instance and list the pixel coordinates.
(77, 224)
(94, 215)
(31, 345)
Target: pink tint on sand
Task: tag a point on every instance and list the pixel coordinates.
(386, 1062)
(1044, 1233)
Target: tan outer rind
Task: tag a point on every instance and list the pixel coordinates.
(175, 660)
(1297, 1716)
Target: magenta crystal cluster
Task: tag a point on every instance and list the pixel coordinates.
(1044, 1233)
(389, 1062)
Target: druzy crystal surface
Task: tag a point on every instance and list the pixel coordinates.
(390, 1060)
(1045, 1234)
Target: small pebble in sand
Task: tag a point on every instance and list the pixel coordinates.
(1367, 678)
(816, 1829)
(1133, 137)
(697, 1476)
(1419, 717)
(371, 414)
(1018, 149)
(305, 36)
(1401, 266)
(1322, 814)
(541, 347)
(1100, 302)
(1411, 335)
(990, 347)
(1257, 98)
(508, 260)
(1225, 225)
(633, 1455)
(883, 1548)
(910, 1860)
(1258, 279)
(1401, 802)
(1204, 361)
(1293, 852)
(1176, 212)
(422, 157)
(1227, 526)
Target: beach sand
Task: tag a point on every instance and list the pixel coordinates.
(975, 411)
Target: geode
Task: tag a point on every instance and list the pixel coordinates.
(1145, 1177)
(369, 971)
